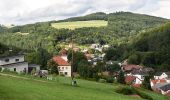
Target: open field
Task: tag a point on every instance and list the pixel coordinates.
(79, 24)
(13, 88)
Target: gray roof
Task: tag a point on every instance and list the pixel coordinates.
(8, 57)
(165, 87)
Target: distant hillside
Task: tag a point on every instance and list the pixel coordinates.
(93, 16)
(122, 27)
(152, 48)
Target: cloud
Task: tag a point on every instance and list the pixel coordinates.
(30, 11)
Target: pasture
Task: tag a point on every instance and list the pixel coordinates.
(79, 24)
(13, 88)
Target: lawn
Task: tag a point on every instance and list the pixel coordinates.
(60, 89)
(79, 24)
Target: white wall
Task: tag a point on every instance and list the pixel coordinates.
(12, 60)
(19, 67)
(63, 69)
(162, 76)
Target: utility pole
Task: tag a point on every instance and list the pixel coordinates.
(73, 83)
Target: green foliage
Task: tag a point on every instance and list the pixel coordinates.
(83, 68)
(125, 90)
(33, 71)
(121, 78)
(40, 57)
(102, 80)
(77, 58)
(113, 68)
(130, 91)
(0, 68)
(52, 67)
(146, 83)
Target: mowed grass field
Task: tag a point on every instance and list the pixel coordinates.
(79, 24)
(60, 89)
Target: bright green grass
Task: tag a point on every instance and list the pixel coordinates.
(60, 89)
(79, 24)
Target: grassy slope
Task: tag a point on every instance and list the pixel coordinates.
(20, 89)
(79, 24)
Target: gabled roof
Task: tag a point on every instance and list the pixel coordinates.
(130, 67)
(129, 79)
(60, 61)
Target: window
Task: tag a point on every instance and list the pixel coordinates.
(14, 69)
(16, 60)
(66, 67)
(6, 60)
(65, 73)
(62, 67)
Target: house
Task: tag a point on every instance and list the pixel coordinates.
(133, 80)
(16, 63)
(128, 68)
(63, 66)
(162, 75)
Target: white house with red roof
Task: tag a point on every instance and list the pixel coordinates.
(63, 66)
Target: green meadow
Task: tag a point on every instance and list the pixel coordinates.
(80, 24)
(13, 88)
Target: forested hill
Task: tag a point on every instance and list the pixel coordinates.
(122, 27)
(152, 48)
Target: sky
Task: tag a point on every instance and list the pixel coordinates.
(21, 12)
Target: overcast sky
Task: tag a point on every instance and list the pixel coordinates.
(30, 11)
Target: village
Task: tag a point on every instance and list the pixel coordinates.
(134, 75)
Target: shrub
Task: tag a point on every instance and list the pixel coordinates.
(131, 90)
(109, 79)
(0, 69)
(102, 80)
(143, 95)
(125, 90)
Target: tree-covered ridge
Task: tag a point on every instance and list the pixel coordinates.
(122, 27)
(152, 48)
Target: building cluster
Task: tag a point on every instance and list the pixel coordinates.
(135, 74)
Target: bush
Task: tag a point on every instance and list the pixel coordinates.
(0, 69)
(143, 95)
(125, 90)
(131, 90)
(109, 79)
(102, 80)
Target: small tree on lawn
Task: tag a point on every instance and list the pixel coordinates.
(52, 67)
(121, 78)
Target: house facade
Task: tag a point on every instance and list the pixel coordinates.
(64, 67)
(14, 63)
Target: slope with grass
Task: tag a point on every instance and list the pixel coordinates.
(79, 24)
(12, 88)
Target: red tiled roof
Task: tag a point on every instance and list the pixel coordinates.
(130, 67)
(60, 61)
(129, 79)
(158, 81)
